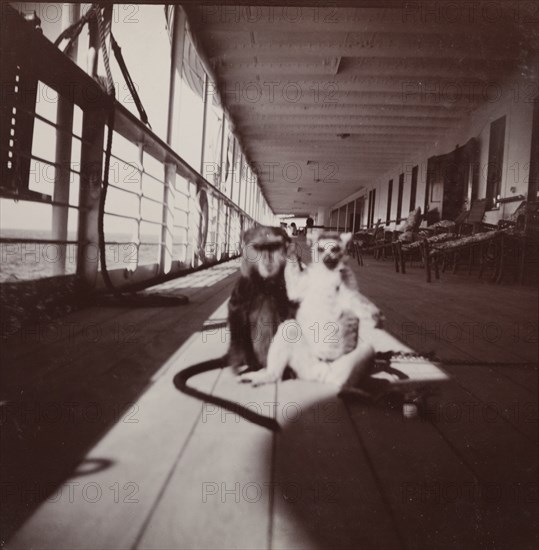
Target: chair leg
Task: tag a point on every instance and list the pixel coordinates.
(436, 268)
(471, 259)
(455, 261)
(426, 259)
(482, 259)
(501, 262)
(496, 268)
(403, 262)
(522, 261)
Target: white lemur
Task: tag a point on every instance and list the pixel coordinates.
(322, 343)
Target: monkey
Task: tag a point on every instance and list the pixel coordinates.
(322, 343)
(259, 301)
(258, 304)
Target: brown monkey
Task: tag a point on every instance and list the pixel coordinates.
(258, 304)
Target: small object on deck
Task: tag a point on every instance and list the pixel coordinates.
(407, 376)
(410, 410)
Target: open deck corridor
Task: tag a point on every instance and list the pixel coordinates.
(106, 453)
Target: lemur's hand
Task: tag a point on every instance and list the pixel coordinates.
(257, 378)
(378, 317)
(292, 255)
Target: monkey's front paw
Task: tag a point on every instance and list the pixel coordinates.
(257, 378)
(378, 318)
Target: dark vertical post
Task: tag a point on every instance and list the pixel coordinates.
(62, 176)
(91, 170)
(176, 60)
(533, 181)
(93, 127)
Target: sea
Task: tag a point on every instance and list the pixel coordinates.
(26, 261)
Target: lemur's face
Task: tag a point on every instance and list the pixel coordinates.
(331, 249)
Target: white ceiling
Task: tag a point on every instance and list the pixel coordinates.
(330, 96)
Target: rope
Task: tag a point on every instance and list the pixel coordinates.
(104, 29)
(129, 81)
(73, 31)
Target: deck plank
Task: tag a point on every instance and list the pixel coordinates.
(140, 453)
(506, 400)
(432, 316)
(218, 495)
(412, 462)
(59, 335)
(503, 461)
(455, 331)
(87, 397)
(115, 338)
(407, 455)
(525, 376)
(325, 492)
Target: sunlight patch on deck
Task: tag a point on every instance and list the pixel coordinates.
(200, 279)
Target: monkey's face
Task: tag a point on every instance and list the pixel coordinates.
(271, 260)
(264, 251)
(331, 250)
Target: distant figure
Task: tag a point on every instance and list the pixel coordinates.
(294, 229)
(309, 229)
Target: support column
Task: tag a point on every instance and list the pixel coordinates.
(204, 122)
(62, 177)
(176, 61)
(93, 127)
(321, 216)
(91, 170)
(165, 257)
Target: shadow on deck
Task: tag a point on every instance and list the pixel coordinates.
(119, 459)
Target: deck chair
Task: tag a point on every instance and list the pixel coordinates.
(365, 239)
(477, 239)
(406, 232)
(487, 243)
(520, 243)
(469, 223)
(473, 219)
(437, 235)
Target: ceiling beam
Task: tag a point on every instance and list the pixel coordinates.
(376, 45)
(411, 96)
(348, 109)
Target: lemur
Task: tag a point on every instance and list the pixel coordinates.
(258, 304)
(322, 343)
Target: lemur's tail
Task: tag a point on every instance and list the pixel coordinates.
(180, 382)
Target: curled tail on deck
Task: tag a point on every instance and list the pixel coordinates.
(180, 382)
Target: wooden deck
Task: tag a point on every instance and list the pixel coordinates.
(104, 452)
